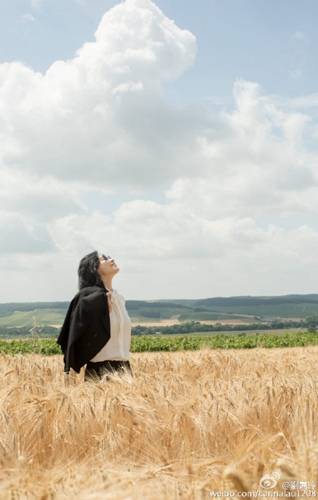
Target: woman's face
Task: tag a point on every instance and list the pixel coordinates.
(107, 265)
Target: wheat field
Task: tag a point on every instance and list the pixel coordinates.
(186, 424)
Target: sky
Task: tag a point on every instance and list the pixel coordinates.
(178, 137)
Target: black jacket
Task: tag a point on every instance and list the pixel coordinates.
(86, 328)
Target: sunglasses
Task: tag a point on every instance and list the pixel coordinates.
(106, 257)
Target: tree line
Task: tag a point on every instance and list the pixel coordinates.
(310, 323)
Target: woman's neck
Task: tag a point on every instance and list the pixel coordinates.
(108, 283)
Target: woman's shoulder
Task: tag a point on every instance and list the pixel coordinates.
(93, 290)
(119, 295)
(86, 290)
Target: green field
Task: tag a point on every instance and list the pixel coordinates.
(152, 343)
(280, 331)
(43, 317)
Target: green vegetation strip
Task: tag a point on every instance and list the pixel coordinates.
(163, 343)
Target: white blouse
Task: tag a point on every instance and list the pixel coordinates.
(117, 348)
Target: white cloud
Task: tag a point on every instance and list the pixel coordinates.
(28, 17)
(100, 121)
(300, 36)
(35, 4)
(104, 107)
(167, 251)
(302, 102)
(37, 196)
(17, 237)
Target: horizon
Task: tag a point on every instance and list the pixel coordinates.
(171, 299)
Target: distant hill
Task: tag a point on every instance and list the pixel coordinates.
(281, 306)
(247, 308)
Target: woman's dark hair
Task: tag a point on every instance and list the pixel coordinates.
(87, 271)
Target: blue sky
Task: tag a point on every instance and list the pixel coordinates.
(179, 137)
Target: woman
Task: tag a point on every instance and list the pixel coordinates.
(97, 327)
(115, 355)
